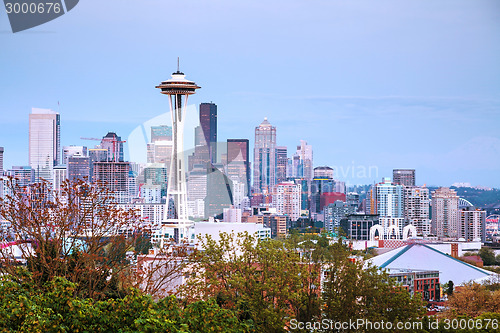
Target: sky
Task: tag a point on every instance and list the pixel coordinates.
(371, 85)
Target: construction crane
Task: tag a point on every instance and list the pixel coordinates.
(114, 141)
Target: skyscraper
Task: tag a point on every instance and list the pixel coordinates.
(114, 145)
(264, 166)
(303, 161)
(1, 161)
(416, 209)
(69, 151)
(78, 167)
(445, 212)
(44, 142)
(404, 177)
(114, 175)
(281, 164)
(286, 200)
(238, 164)
(208, 123)
(472, 224)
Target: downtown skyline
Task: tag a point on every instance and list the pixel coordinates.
(414, 87)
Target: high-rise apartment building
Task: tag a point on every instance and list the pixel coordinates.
(404, 177)
(445, 214)
(286, 200)
(416, 209)
(281, 164)
(264, 166)
(472, 224)
(44, 142)
(208, 123)
(386, 199)
(238, 163)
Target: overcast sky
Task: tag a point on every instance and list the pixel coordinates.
(383, 84)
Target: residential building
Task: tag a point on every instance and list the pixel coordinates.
(416, 209)
(286, 199)
(472, 224)
(445, 214)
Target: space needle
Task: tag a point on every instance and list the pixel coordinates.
(177, 88)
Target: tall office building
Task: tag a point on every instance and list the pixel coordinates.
(161, 133)
(114, 175)
(404, 177)
(208, 123)
(24, 175)
(69, 151)
(472, 224)
(78, 168)
(44, 142)
(114, 145)
(219, 191)
(324, 172)
(60, 175)
(416, 209)
(238, 163)
(1, 161)
(302, 162)
(281, 164)
(445, 213)
(264, 166)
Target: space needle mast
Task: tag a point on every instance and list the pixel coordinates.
(177, 89)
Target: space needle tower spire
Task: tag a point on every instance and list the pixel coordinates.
(177, 88)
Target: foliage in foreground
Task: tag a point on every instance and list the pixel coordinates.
(24, 307)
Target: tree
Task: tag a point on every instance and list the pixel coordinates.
(25, 307)
(473, 299)
(76, 233)
(355, 290)
(264, 280)
(488, 256)
(449, 288)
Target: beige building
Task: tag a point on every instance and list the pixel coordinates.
(445, 213)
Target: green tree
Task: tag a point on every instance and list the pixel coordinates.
(488, 256)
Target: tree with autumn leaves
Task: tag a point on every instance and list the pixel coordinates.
(272, 281)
